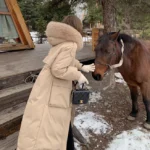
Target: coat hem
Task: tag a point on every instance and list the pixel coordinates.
(39, 129)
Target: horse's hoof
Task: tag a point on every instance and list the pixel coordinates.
(131, 118)
(147, 125)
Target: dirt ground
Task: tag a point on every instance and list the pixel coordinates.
(115, 106)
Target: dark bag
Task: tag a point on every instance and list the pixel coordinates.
(80, 96)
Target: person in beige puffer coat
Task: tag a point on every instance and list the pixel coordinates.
(47, 116)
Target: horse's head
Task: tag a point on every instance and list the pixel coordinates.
(108, 52)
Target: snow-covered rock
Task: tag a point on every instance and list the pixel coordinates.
(88, 122)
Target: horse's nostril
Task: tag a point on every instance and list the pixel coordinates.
(97, 76)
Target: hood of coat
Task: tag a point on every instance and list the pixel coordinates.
(60, 32)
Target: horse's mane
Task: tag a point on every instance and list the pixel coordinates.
(128, 40)
(125, 37)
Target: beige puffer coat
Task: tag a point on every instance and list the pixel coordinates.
(47, 115)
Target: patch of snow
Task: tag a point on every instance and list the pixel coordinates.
(118, 75)
(77, 146)
(136, 139)
(34, 34)
(35, 38)
(120, 81)
(87, 39)
(88, 122)
(119, 78)
(95, 97)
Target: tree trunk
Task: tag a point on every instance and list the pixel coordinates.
(126, 21)
(109, 19)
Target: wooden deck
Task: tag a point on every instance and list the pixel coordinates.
(13, 63)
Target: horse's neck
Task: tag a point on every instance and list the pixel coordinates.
(134, 54)
(135, 49)
(136, 62)
(129, 48)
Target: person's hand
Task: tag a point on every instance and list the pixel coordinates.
(83, 80)
(88, 68)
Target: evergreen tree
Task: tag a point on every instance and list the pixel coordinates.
(126, 15)
(38, 13)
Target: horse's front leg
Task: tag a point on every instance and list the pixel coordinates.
(134, 98)
(145, 89)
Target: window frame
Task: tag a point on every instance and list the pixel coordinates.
(21, 28)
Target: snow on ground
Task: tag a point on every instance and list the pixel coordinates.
(35, 39)
(119, 78)
(136, 139)
(92, 125)
(77, 146)
(34, 36)
(87, 39)
(95, 97)
(88, 122)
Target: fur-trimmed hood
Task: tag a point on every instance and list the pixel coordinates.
(60, 32)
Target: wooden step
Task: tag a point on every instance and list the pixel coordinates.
(13, 80)
(10, 120)
(10, 143)
(12, 96)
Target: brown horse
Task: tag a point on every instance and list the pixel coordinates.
(135, 68)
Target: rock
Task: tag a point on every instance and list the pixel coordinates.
(131, 118)
(108, 111)
(147, 126)
(105, 103)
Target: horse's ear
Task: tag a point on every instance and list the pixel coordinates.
(115, 36)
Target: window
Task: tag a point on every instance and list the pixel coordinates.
(14, 34)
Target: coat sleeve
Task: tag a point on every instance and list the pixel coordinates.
(61, 67)
(78, 65)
